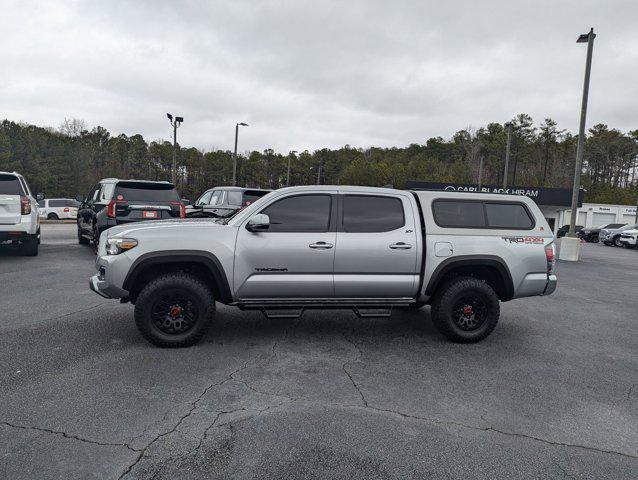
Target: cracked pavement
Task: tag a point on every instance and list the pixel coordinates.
(551, 394)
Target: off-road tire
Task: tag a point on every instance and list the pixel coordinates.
(170, 283)
(52, 216)
(81, 239)
(446, 299)
(29, 247)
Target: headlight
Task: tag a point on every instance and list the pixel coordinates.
(115, 246)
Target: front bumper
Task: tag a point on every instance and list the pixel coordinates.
(628, 240)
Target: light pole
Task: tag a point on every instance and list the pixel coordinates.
(288, 174)
(507, 153)
(319, 175)
(235, 154)
(587, 38)
(176, 124)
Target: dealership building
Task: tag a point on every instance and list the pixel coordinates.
(555, 203)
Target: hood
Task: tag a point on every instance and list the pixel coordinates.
(633, 231)
(178, 224)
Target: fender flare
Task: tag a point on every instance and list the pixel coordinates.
(207, 259)
(492, 261)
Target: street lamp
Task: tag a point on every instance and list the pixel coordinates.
(587, 38)
(176, 124)
(237, 125)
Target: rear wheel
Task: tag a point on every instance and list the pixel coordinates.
(466, 310)
(53, 216)
(29, 247)
(174, 310)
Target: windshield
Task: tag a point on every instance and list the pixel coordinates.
(628, 227)
(250, 209)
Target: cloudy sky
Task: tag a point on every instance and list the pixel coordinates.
(313, 74)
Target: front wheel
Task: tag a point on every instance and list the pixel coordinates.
(466, 310)
(174, 310)
(617, 242)
(594, 239)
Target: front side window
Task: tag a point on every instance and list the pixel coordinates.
(216, 198)
(366, 213)
(203, 200)
(459, 213)
(301, 213)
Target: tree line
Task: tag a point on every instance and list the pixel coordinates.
(70, 159)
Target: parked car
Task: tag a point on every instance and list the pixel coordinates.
(611, 236)
(591, 235)
(58, 208)
(114, 202)
(223, 202)
(19, 221)
(629, 238)
(562, 231)
(333, 246)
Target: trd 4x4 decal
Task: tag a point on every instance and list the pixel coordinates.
(528, 240)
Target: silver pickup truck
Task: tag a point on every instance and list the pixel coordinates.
(367, 249)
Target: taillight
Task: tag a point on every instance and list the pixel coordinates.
(25, 205)
(550, 255)
(110, 209)
(182, 209)
(66, 210)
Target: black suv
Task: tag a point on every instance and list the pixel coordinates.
(592, 235)
(224, 202)
(114, 202)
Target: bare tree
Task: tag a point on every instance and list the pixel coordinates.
(72, 127)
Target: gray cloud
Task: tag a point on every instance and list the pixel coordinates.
(314, 74)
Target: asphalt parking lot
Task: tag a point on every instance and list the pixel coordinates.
(553, 393)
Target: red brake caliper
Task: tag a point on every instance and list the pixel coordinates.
(175, 311)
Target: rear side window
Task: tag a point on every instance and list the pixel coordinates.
(476, 214)
(301, 213)
(10, 185)
(367, 214)
(57, 203)
(453, 213)
(145, 192)
(508, 215)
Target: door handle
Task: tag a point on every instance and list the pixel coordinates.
(400, 246)
(321, 245)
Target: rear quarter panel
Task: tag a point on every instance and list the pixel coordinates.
(522, 251)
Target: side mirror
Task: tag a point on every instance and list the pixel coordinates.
(39, 196)
(80, 198)
(258, 223)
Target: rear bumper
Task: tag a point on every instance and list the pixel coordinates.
(552, 282)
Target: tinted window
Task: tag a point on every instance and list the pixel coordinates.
(507, 215)
(57, 203)
(9, 185)
(363, 213)
(302, 213)
(72, 203)
(41, 203)
(145, 192)
(453, 213)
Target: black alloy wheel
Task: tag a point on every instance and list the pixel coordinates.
(174, 313)
(470, 312)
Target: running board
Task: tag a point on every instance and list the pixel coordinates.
(373, 312)
(293, 315)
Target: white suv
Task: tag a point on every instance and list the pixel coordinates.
(629, 238)
(19, 221)
(58, 208)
